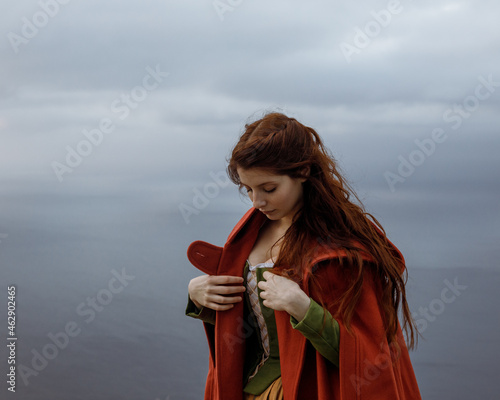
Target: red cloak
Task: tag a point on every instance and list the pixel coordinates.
(369, 368)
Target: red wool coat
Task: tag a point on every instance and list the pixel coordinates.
(369, 368)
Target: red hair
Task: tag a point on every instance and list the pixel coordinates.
(328, 217)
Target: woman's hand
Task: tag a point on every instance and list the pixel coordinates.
(214, 291)
(282, 294)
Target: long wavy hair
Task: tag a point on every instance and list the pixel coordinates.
(283, 146)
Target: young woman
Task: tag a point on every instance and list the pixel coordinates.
(302, 301)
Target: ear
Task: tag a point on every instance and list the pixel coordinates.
(305, 172)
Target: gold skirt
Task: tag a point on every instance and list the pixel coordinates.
(273, 392)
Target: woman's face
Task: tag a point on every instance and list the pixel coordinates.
(277, 196)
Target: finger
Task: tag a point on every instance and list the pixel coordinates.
(269, 276)
(220, 307)
(226, 289)
(224, 299)
(221, 303)
(262, 285)
(225, 280)
(267, 304)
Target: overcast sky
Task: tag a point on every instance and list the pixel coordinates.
(406, 94)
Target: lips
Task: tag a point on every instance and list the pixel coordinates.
(267, 212)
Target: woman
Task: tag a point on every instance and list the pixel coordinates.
(302, 301)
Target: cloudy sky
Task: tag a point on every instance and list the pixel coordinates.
(116, 120)
(137, 102)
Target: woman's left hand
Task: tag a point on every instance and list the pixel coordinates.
(283, 294)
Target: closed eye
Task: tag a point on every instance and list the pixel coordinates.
(267, 191)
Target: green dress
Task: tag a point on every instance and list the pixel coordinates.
(321, 330)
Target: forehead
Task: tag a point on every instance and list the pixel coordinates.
(257, 176)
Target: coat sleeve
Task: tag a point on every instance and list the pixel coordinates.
(205, 314)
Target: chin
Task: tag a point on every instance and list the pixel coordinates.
(272, 216)
(275, 217)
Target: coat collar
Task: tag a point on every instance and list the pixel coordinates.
(206, 257)
(252, 216)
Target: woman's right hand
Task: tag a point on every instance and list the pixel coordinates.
(215, 291)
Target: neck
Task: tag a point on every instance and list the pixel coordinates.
(283, 224)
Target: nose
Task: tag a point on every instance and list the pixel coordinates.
(258, 201)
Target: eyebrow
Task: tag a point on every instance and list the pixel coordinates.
(262, 184)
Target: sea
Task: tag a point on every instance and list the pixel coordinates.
(100, 296)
